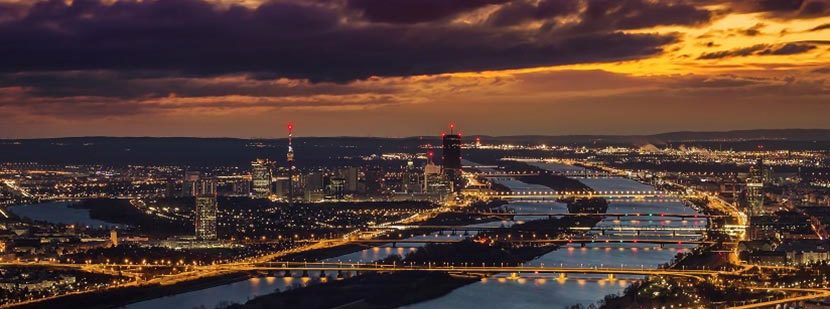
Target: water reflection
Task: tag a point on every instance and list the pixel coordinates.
(501, 291)
(58, 213)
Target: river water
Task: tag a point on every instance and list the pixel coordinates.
(58, 213)
(539, 291)
(578, 289)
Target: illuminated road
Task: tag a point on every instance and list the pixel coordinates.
(265, 262)
(545, 241)
(655, 216)
(697, 274)
(553, 195)
(812, 294)
(13, 185)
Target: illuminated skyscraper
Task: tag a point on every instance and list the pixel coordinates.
(206, 210)
(189, 183)
(435, 180)
(337, 187)
(114, 238)
(261, 178)
(411, 179)
(350, 175)
(755, 189)
(451, 155)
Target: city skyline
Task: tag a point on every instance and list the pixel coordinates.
(421, 154)
(365, 68)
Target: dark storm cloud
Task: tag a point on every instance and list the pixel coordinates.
(147, 85)
(635, 14)
(787, 49)
(517, 12)
(777, 8)
(193, 37)
(415, 11)
(779, 5)
(820, 27)
(723, 81)
(760, 50)
(602, 14)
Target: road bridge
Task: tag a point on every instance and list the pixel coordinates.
(699, 229)
(582, 241)
(288, 268)
(570, 173)
(659, 216)
(555, 195)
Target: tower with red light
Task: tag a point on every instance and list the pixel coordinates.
(289, 158)
(290, 154)
(451, 153)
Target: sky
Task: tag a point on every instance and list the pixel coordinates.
(245, 68)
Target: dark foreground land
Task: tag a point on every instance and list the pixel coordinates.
(391, 290)
(117, 297)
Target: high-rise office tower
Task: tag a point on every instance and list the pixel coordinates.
(315, 181)
(113, 238)
(436, 182)
(261, 178)
(350, 175)
(337, 187)
(755, 189)
(411, 179)
(374, 178)
(189, 183)
(451, 155)
(206, 210)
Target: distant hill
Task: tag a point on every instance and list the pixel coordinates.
(671, 137)
(335, 151)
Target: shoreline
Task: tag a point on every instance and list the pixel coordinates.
(120, 297)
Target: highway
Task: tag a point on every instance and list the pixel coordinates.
(543, 241)
(649, 216)
(265, 262)
(696, 274)
(811, 295)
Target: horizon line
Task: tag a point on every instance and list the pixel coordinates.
(419, 136)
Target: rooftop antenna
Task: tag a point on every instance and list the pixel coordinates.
(290, 155)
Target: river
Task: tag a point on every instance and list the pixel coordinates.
(59, 213)
(577, 289)
(498, 291)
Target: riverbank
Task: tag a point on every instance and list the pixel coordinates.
(447, 218)
(117, 297)
(392, 290)
(120, 211)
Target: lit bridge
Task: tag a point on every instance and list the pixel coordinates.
(569, 173)
(555, 195)
(582, 241)
(698, 229)
(288, 268)
(656, 216)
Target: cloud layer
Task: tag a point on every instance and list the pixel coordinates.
(116, 61)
